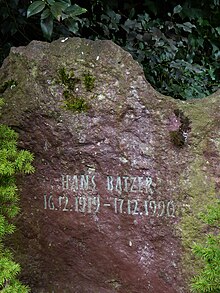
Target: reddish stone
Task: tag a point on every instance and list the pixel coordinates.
(110, 244)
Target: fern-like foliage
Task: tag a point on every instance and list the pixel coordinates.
(12, 162)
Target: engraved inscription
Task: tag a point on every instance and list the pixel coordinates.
(95, 204)
(125, 195)
(129, 184)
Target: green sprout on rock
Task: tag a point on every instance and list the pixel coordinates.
(68, 79)
(73, 100)
(89, 81)
(76, 104)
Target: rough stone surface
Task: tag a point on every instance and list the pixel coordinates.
(88, 239)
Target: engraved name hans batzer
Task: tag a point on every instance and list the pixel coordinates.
(130, 195)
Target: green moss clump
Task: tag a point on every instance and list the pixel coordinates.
(76, 104)
(1, 102)
(201, 196)
(68, 79)
(73, 100)
(208, 279)
(10, 83)
(89, 81)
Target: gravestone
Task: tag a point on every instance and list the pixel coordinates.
(119, 168)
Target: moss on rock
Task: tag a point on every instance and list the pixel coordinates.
(72, 84)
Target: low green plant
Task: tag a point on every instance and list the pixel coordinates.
(208, 279)
(76, 103)
(68, 80)
(89, 81)
(12, 162)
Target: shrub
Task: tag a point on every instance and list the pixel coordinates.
(12, 162)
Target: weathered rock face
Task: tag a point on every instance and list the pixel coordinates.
(116, 164)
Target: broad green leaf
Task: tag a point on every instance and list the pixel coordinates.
(67, 1)
(35, 7)
(51, 2)
(46, 13)
(4, 12)
(132, 13)
(75, 10)
(218, 29)
(187, 26)
(73, 26)
(64, 16)
(57, 9)
(177, 9)
(47, 27)
(8, 27)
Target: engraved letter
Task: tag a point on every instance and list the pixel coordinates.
(148, 183)
(118, 184)
(133, 179)
(140, 183)
(110, 183)
(65, 181)
(84, 182)
(74, 183)
(125, 183)
(93, 182)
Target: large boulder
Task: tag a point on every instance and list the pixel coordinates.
(121, 170)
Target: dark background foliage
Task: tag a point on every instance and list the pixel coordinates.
(177, 42)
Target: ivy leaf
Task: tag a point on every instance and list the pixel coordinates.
(47, 27)
(218, 29)
(51, 2)
(75, 10)
(186, 26)
(57, 8)
(35, 7)
(177, 9)
(73, 26)
(45, 14)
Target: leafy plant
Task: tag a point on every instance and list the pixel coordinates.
(177, 43)
(177, 55)
(12, 162)
(60, 10)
